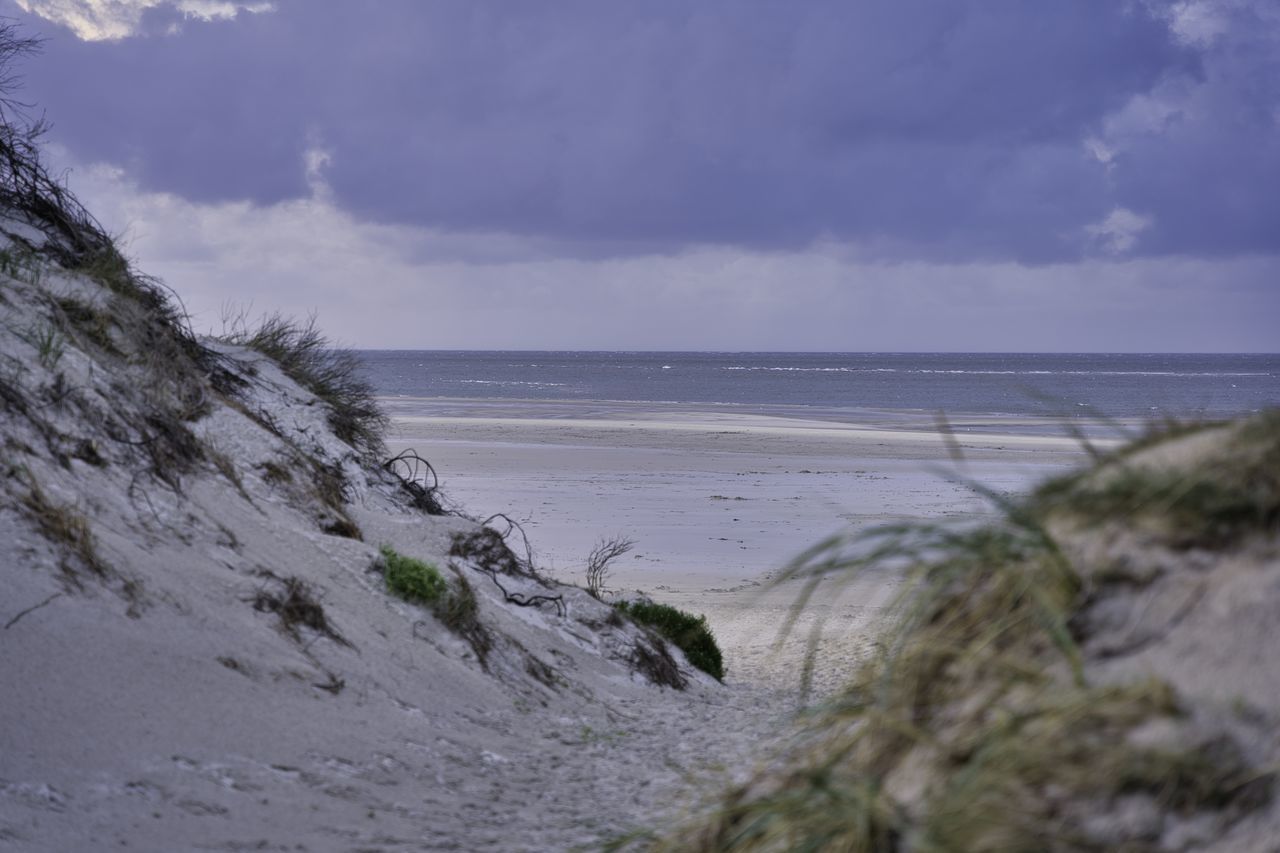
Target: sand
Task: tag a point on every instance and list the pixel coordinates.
(718, 498)
(155, 699)
(156, 511)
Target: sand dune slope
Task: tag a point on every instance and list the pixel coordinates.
(197, 645)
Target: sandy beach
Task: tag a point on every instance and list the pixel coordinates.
(911, 367)
(718, 499)
(211, 650)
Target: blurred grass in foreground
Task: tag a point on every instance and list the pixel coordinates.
(979, 724)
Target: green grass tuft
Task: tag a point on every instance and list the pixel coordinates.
(413, 580)
(689, 633)
(48, 343)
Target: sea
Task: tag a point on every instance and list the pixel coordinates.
(1092, 386)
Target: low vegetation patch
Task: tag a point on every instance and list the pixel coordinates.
(93, 324)
(454, 604)
(651, 658)
(170, 446)
(296, 604)
(460, 613)
(65, 526)
(334, 375)
(411, 579)
(330, 488)
(689, 633)
(275, 474)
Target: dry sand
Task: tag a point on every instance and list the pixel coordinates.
(154, 699)
(718, 499)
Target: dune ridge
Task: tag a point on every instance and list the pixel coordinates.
(199, 646)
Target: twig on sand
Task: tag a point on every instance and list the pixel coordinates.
(34, 607)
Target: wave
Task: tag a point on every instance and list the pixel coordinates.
(826, 369)
(507, 382)
(1002, 372)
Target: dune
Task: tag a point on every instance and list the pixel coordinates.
(1091, 670)
(200, 649)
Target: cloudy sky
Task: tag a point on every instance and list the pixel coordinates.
(721, 174)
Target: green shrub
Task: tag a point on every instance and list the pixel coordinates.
(689, 633)
(413, 580)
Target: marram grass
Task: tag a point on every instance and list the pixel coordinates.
(976, 727)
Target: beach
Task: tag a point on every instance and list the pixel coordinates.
(647, 428)
(718, 500)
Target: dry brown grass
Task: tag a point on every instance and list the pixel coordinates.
(65, 526)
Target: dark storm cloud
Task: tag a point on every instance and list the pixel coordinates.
(945, 129)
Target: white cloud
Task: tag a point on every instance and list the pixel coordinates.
(102, 20)
(1118, 232)
(315, 161)
(1199, 22)
(1099, 150)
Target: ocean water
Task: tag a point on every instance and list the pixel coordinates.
(1057, 385)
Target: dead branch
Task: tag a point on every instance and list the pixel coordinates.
(605, 552)
(487, 551)
(512, 526)
(412, 471)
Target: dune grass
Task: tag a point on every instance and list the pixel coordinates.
(1209, 502)
(336, 376)
(976, 725)
(687, 632)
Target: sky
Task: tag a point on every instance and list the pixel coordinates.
(886, 175)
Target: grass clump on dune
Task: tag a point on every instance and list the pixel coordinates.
(1230, 488)
(689, 633)
(980, 724)
(413, 580)
(454, 604)
(334, 375)
(63, 525)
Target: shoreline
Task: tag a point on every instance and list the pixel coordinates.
(613, 411)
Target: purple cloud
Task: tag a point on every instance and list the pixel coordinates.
(978, 130)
